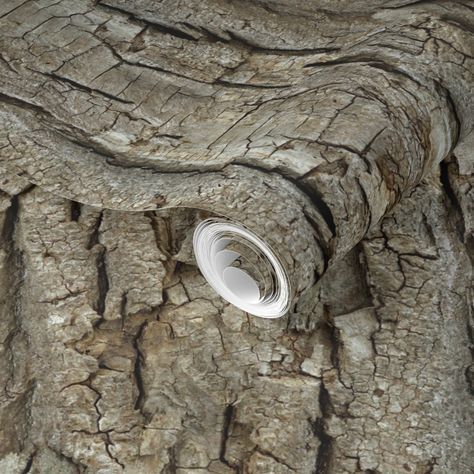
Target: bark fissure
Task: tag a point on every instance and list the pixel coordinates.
(324, 456)
(75, 211)
(226, 431)
(451, 195)
(139, 361)
(102, 281)
(29, 464)
(85, 88)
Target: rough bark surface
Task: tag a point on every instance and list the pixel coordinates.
(115, 355)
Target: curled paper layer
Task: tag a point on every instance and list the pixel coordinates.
(242, 268)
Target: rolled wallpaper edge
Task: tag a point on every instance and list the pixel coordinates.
(304, 220)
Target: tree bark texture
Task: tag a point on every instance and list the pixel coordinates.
(341, 131)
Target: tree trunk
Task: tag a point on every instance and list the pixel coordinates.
(341, 132)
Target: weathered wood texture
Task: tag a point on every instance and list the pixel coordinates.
(115, 354)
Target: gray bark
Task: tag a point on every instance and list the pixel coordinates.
(321, 125)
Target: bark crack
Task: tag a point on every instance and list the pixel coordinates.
(102, 281)
(84, 88)
(139, 360)
(229, 414)
(325, 451)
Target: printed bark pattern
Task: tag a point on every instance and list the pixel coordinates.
(342, 132)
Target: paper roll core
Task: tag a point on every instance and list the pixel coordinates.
(242, 268)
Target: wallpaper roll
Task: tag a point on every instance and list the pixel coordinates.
(242, 268)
